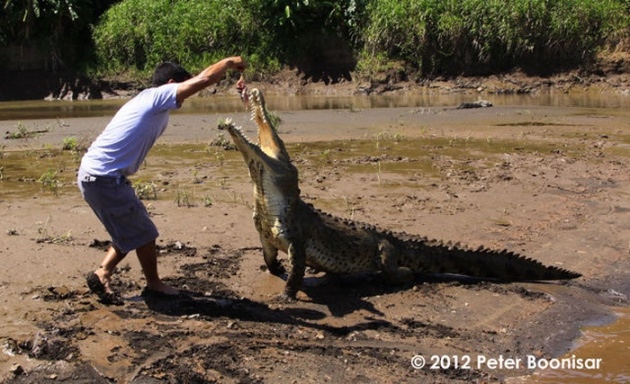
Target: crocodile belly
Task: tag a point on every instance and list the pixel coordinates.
(345, 260)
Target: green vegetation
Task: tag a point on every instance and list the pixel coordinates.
(138, 34)
(431, 36)
(70, 144)
(45, 236)
(384, 138)
(50, 181)
(59, 28)
(141, 33)
(427, 37)
(274, 119)
(439, 36)
(185, 198)
(145, 191)
(21, 132)
(207, 200)
(221, 142)
(76, 147)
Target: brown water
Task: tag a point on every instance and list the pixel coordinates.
(41, 109)
(604, 355)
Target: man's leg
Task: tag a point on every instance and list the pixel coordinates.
(147, 255)
(105, 271)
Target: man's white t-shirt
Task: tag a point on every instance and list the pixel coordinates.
(121, 148)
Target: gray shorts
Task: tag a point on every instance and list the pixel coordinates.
(119, 209)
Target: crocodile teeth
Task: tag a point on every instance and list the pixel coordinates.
(239, 130)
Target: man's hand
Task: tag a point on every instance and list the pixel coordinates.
(238, 63)
(209, 76)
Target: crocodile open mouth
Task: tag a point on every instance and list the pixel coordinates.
(268, 140)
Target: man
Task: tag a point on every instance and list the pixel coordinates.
(118, 152)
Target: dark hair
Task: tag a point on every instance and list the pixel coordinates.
(169, 71)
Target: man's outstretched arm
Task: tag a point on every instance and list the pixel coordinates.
(211, 75)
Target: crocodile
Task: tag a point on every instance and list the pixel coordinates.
(327, 243)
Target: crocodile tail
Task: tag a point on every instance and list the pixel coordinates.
(440, 257)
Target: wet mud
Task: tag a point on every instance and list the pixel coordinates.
(557, 192)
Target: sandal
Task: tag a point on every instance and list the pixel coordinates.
(98, 288)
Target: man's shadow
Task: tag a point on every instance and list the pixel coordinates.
(227, 304)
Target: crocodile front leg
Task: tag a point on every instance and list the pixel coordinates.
(270, 252)
(297, 256)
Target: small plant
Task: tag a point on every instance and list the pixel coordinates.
(76, 147)
(222, 142)
(76, 157)
(70, 143)
(223, 182)
(50, 181)
(21, 132)
(233, 197)
(145, 191)
(65, 238)
(220, 156)
(47, 152)
(384, 137)
(274, 119)
(207, 201)
(184, 198)
(217, 147)
(349, 207)
(325, 156)
(379, 139)
(196, 179)
(43, 236)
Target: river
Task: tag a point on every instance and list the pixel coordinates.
(41, 109)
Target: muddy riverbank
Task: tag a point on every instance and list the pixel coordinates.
(550, 183)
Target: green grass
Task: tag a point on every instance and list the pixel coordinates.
(21, 132)
(454, 36)
(50, 181)
(430, 36)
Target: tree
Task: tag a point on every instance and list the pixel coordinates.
(56, 26)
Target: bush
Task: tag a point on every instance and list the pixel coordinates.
(432, 36)
(471, 36)
(138, 34)
(142, 33)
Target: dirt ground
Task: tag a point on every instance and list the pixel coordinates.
(549, 183)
